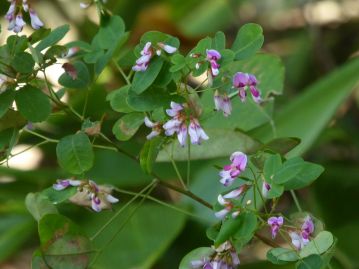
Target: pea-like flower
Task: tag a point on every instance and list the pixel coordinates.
(275, 223)
(232, 171)
(88, 193)
(36, 23)
(146, 55)
(156, 128)
(222, 103)
(148, 52)
(212, 57)
(243, 81)
(223, 257)
(228, 204)
(302, 238)
(178, 125)
(16, 21)
(266, 187)
(64, 183)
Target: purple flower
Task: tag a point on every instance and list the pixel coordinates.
(182, 134)
(243, 80)
(36, 23)
(156, 128)
(265, 189)
(307, 228)
(10, 14)
(204, 263)
(174, 110)
(222, 102)
(232, 171)
(212, 57)
(275, 223)
(196, 132)
(300, 240)
(18, 24)
(146, 55)
(228, 206)
(64, 183)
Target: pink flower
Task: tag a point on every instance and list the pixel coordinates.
(196, 132)
(222, 102)
(228, 205)
(232, 171)
(146, 55)
(64, 183)
(275, 223)
(156, 128)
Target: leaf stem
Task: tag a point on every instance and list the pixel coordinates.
(294, 196)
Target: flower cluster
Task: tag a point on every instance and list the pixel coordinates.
(243, 80)
(302, 238)
(178, 125)
(224, 257)
(15, 18)
(228, 204)
(148, 52)
(232, 171)
(88, 193)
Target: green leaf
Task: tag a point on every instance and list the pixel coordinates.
(6, 100)
(319, 245)
(281, 145)
(248, 41)
(75, 154)
(310, 262)
(55, 36)
(143, 80)
(142, 240)
(127, 126)
(288, 170)
(271, 165)
(282, 255)
(197, 254)
(205, 18)
(110, 32)
(39, 205)
(216, 146)
(63, 245)
(82, 80)
(326, 97)
(305, 177)
(12, 119)
(151, 99)
(38, 35)
(241, 228)
(118, 99)
(23, 62)
(37, 262)
(219, 41)
(149, 154)
(33, 104)
(58, 197)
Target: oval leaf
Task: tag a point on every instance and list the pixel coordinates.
(127, 126)
(33, 104)
(75, 154)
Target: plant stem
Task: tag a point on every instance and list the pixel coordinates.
(294, 196)
(174, 165)
(186, 192)
(122, 73)
(41, 136)
(121, 210)
(188, 163)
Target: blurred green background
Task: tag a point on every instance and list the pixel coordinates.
(313, 38)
